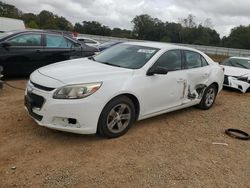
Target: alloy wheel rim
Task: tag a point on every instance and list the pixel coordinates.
(118, 118)
(210, 97)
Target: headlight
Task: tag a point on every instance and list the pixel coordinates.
(76, 91)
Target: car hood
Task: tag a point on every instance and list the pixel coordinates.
(235, 71)
(82, 70)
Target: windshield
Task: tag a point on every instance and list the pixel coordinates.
(126, 56)
(237, 62)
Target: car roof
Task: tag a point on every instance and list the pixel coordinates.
(161, 45)
(65, 33)
(58, 32)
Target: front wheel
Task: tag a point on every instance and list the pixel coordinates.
(116, 117)
(208, 98)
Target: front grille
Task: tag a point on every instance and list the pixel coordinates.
(28, 104)
(35, 100)
(42, 87)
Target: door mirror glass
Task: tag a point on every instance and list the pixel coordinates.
(58, 41)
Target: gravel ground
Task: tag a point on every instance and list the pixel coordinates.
(171, 150)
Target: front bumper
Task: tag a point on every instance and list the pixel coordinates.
(237, 83)
(77, 116)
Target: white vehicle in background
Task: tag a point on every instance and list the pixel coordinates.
(237, 73)
(107, 93)
(88, 41)
(10, 24)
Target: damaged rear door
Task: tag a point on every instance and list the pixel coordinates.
(198, 73)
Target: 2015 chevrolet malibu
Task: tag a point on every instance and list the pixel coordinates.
(132, 81)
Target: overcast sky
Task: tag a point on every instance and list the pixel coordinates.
(224, 14)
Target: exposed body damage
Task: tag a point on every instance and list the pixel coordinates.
(241, 83)
(237, 73)
(198, 91)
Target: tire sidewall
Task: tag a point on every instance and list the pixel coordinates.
(203, 104)
(102, 128)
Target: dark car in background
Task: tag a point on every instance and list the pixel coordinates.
(107, 45)
(22, 52)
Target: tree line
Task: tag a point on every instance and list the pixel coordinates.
(145, 27)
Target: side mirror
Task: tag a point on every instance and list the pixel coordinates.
(157, 70)
(5, 44)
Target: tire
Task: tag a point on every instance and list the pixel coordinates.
(208, 97)
(116, 118)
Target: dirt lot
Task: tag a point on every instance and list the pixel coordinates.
(171, 150)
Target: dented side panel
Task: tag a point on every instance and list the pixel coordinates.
(197, 81)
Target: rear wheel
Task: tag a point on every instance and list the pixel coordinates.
(116, 117)
(208, 98)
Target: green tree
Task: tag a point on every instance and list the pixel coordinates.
(32, 24)
(78, 28)
(143, 25)
(93, 28)
(238, 38)
(63, 24)
(122, 33)
(47, 20)
(9, 11)
(172, 33)
(30, 20)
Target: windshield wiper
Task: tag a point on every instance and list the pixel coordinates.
(107, 63)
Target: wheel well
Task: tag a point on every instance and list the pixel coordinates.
(135, 102)
(216, 85)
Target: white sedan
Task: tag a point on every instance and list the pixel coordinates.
(237, 73)
(88, 41)
(132, 81)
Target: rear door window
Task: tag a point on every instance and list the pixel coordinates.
(57, 41)
(192, 60)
